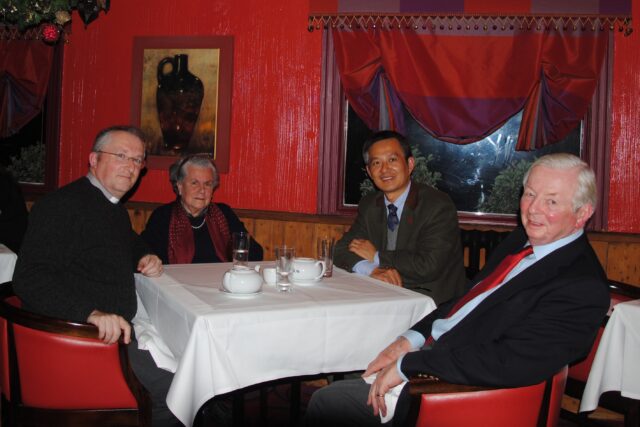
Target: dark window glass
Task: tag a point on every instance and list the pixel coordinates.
(484, 176)
(23, 153)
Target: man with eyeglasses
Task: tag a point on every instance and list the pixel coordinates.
(407, 233)
(80, 252)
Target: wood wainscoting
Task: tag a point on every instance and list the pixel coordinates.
(270, 228)
(618, 253)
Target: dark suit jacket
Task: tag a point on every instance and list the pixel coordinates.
(13, 212)
(428, 253)
(544, 318)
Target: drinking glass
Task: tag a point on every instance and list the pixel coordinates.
(325, 253)
(284, 259)
(241, 241)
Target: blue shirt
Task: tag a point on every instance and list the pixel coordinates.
(442, 326)
(366, 267)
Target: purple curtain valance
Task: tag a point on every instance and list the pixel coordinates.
(461, 89)
(462, 68)
(12, 32)
(457, 15)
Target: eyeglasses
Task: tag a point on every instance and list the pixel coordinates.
(137, 161)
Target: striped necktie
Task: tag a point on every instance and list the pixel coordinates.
(392, 218)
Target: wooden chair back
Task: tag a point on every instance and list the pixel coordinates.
(478, 245)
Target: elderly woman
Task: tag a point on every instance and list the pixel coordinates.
(193, 229)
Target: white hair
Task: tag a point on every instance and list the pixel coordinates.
(586, 193)
(178, 170)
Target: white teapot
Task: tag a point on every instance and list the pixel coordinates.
(307, 270)
(242, 280)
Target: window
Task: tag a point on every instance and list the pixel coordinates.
(466, 172)
(31, 155)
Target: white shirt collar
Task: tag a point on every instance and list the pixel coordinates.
(399, 203)
(93, 180)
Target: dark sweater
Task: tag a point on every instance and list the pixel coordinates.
(79, 254)
(13, 212)
(156, 234)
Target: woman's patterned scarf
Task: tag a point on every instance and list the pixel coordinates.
(181, 244)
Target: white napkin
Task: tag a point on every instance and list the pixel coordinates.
(390, 399)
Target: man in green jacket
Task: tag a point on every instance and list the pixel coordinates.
(407, 233)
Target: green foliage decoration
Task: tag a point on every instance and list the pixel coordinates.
(30, 13)
(421, 172)
(505, 193)
(29, 165)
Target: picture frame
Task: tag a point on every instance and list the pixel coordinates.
(181, 97)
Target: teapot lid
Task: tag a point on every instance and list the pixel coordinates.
(242, 269)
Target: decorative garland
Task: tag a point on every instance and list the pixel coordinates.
(47, 17)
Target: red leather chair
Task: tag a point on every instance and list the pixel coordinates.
(60, 374)
(579, 372)
(619, 292)
(4, 364)
(437, 403)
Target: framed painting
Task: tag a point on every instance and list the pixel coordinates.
(181, 97)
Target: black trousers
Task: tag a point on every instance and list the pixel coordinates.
(157, 382)
(344, 403)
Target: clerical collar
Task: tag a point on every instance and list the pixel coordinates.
(94, 181)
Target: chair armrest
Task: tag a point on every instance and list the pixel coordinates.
(427, 384)
(623, 291)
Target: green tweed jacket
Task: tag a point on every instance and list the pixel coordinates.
(428, 253)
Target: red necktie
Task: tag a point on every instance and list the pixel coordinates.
(491, 281)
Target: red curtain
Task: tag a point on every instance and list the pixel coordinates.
(461, 87)
(25, 66)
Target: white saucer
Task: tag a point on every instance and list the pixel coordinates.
(304, 282)
(237, 295)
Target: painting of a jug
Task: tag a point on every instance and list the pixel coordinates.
(178, 100)
(182, 97)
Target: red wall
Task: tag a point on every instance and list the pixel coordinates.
(275, 99)
(624, 200)
(275, 102)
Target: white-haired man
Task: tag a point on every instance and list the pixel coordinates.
(517, 324)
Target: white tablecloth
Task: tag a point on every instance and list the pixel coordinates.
(7, 263)
(216, 342)
(616, 365)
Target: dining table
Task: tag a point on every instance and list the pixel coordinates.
(7, 263)
(217, 342)
(615, 366)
